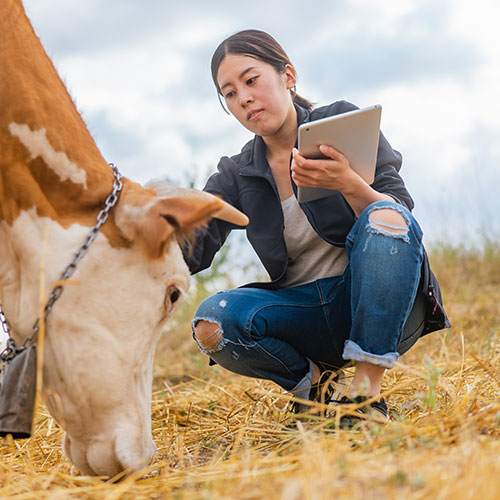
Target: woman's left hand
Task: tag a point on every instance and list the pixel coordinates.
(332, 172)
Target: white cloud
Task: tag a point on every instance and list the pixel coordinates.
(140, 74)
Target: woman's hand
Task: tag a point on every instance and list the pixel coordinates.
(335, 172)
(332, 172)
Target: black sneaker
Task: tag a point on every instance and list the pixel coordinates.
(324, 391)
(377, 409)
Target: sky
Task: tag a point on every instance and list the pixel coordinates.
(139, 72)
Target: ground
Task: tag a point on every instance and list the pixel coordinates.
(222, 436)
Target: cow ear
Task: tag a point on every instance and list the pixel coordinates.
(225, 211)
(177, 215)
(174, 217)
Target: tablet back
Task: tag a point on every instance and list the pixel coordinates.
(355, 134)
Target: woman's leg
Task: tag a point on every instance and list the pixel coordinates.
(270, 334)
(275, 334)
(385, 252)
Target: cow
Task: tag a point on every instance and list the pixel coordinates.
(102, 332)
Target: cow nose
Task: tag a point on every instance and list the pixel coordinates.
(110, 456)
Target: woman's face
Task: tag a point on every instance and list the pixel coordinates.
(255, 93)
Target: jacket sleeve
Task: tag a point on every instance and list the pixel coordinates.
(200, 253)
(387, 178)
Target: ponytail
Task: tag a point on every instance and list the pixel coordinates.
(301, 101)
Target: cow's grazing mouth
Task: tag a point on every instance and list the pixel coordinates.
(113, 457)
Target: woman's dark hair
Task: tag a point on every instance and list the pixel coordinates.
(258, 44)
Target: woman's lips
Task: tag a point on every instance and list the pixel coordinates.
(254, 115)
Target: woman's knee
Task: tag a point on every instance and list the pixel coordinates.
(385, 228)
(207, 323)
(389, 218)
(208, 334)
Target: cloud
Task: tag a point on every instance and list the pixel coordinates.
(375, 51)
(139, 72)
(95, 26)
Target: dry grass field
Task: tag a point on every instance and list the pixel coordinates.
(221, 436)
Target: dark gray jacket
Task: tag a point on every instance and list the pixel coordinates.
(246, 182)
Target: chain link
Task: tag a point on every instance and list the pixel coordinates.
(12, 349)
(5, 322)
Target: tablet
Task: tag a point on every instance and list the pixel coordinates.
(355, 134)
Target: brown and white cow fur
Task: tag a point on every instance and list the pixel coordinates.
(102, 333)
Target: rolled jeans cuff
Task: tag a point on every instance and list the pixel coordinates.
(354, 352)
(303, 388)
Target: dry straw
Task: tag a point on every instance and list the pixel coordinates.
(222, 436)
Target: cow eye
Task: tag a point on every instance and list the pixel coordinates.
(174, 294)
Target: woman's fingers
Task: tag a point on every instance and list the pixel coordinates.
(331, 152)
(331, 171)
(312, 177)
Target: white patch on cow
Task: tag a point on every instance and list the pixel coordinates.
(163, 189)
(37, 144)
(128, 215)
(136, 211)
(223, 303)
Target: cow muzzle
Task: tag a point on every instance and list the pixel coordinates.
(114, 455)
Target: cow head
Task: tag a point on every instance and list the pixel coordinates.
(102, 332)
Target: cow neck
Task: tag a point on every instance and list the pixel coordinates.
(49, 160)
(12, 349)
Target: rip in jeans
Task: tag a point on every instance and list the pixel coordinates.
(216, 334)
(376, 226)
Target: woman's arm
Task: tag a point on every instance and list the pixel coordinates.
(200, 253)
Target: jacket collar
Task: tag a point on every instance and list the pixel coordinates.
(303, 114)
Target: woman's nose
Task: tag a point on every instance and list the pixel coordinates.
(245, 98)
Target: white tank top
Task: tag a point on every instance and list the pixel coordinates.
(309, 256)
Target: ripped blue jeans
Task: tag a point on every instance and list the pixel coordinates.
(371, 313)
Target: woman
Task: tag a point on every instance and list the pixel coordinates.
(350, 281)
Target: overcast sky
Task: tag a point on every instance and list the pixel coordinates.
(139, 73)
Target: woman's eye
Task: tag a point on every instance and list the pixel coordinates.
(229, 94)
(251, 80)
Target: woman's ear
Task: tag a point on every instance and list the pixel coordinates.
(290, 76)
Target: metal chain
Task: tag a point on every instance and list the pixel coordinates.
(12, 349)
(4, 321)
